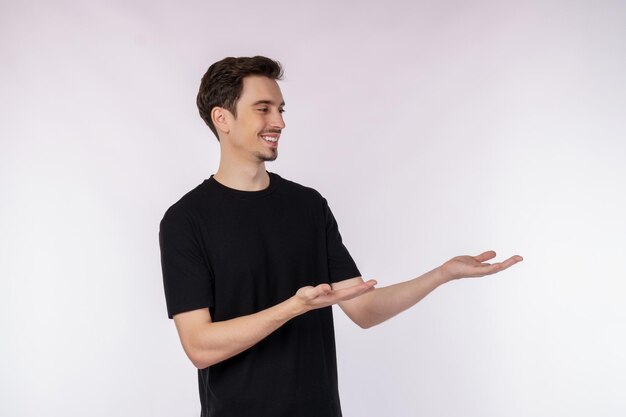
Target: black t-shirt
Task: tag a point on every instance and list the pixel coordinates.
(239, 252)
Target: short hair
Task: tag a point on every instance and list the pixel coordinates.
(222, 84)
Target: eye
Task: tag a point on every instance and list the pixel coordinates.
(263, 109)
(281, 110)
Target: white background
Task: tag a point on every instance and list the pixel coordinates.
(434, 129)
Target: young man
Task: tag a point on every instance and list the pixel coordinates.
(252, 263)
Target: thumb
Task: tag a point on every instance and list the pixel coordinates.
(323, 289)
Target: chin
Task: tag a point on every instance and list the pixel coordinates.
(267, 157)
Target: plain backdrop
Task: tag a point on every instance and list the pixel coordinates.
(433, 128)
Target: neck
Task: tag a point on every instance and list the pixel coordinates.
(243, 176)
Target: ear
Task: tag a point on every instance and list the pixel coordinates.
(221, 119)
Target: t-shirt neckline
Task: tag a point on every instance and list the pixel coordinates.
(274, 178)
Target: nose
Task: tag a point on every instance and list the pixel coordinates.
(277, 121)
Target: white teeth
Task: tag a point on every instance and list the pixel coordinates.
(270, 139)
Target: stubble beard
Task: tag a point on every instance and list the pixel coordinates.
(267, 158)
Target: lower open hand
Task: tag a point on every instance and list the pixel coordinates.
(323, 295)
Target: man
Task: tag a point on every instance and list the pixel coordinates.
(252, 263)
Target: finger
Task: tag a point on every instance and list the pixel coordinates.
(352, 292)
(501, 266)
(511, 261)
(370, 283)
(485, 256)
(323, 289)
(314, 292)
(308, 293)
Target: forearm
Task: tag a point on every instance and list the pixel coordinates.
(207, 343)
(383, 303)
(213, 342)
(386, 302)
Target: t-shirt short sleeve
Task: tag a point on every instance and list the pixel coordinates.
(341, 266)
(187, 278)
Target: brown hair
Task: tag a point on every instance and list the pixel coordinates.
(221, 85)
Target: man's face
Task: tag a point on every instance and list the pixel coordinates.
(255, 132)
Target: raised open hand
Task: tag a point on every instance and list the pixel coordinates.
(476, 266)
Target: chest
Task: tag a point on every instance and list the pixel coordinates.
(263, 252)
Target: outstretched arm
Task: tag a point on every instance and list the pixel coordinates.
(206, 342)
(383, 303)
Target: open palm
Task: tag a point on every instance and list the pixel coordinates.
(476, 266)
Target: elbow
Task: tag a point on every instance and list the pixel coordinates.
(200, 363)
(364, 321)
(197, 359)
(369, 321)
(366, 326)
(200, 358)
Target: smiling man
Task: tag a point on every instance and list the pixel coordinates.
(253, 262)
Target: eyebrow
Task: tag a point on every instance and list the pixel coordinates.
(266, 102)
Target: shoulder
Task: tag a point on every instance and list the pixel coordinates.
(188, 205)
(296, 189)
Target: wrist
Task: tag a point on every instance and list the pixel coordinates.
(294, 307)
(441, 276)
